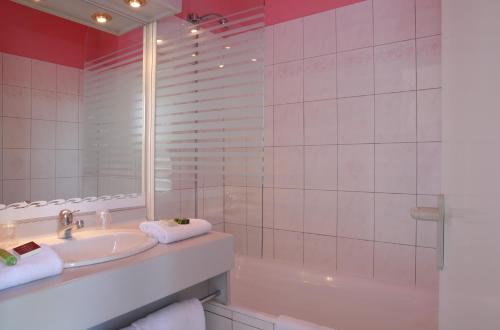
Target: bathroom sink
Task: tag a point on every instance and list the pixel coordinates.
(97, 246)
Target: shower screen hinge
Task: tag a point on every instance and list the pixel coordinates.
(434, 214)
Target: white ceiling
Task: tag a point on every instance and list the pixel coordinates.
(124, 17)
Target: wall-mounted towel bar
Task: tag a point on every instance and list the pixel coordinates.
(210, 297)
(434, 214)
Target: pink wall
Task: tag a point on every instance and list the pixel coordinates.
(277, 11)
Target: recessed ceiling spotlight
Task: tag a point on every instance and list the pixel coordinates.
(227, 47)
(101, 18)
(160, 41)
(194, 30)
(194, 54)
(135, 3)
(254, 60)
(221, 66)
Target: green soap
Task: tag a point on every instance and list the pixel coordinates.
(182, 221)
(7, 258)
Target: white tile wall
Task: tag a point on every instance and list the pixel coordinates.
(352, 142)
(40, 115)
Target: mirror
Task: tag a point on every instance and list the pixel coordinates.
(72, 117)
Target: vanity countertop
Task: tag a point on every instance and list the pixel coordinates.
(120, 285)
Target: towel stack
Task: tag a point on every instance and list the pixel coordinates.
(167, 233)
(43, 264)
(185, 315)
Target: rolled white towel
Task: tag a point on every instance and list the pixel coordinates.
(43, 264)
(185, 315)
(289, 323)
(165, 233)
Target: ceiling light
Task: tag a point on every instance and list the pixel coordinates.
(221, 66)
(160, 41)
(135, 3)
(254, 60)
(194, 55)
(228, 47)
(194, 30)
(101, 18)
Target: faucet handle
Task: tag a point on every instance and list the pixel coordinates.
(66, 216)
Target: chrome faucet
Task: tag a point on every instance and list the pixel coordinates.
(65, 225)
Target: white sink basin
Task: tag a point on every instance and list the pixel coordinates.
(96, 246)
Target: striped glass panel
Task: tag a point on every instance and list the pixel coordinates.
(209, 102)
(112, 130)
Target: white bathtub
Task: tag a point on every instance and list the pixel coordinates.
(340, 302)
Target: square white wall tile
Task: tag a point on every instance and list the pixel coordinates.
(67, 187)
(269, 85)
(320, 122)
(67, 79)
(43, 76)
(43, 163)
(240, 237)
(288, 246)
(320, 252)
(43, 134)
(43, 189)
(395, 263)
(15, 191)
(355, 26)
(426, 269)
(289, 167)
(356, 172)
(16, 101)
(254, 241)
(355, 72)
(429, 168)
(395, 168)
(16, 132)
(289, 209)
(43, 104)
(288, 41)
(66, 163)
(355, 257)
(16, 164)
(289, 124)
(254, 206)
(429, 115)
(16, 70)
(320, 34)
(268, 167)
(320, 80)
(394, 20)
(66, 135)
(320, 167)
(67, 107)
(320, 212)
(355, 214)
(393, 222)
(429, 62)
(235, 204)
(396, 117)
(395, 67)
(356, 119)
(288, 82)
(428, 14)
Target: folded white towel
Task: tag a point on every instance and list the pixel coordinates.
(43, 264)
(185, 315)
(289, 323)
(165, 233)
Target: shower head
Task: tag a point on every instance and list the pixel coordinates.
(194, 18)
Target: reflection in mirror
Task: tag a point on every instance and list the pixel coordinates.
(72, 109)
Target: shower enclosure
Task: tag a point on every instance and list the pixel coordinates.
(209, 158)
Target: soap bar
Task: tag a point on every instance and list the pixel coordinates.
(27, 249)
(7, 258)
(182, 221)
